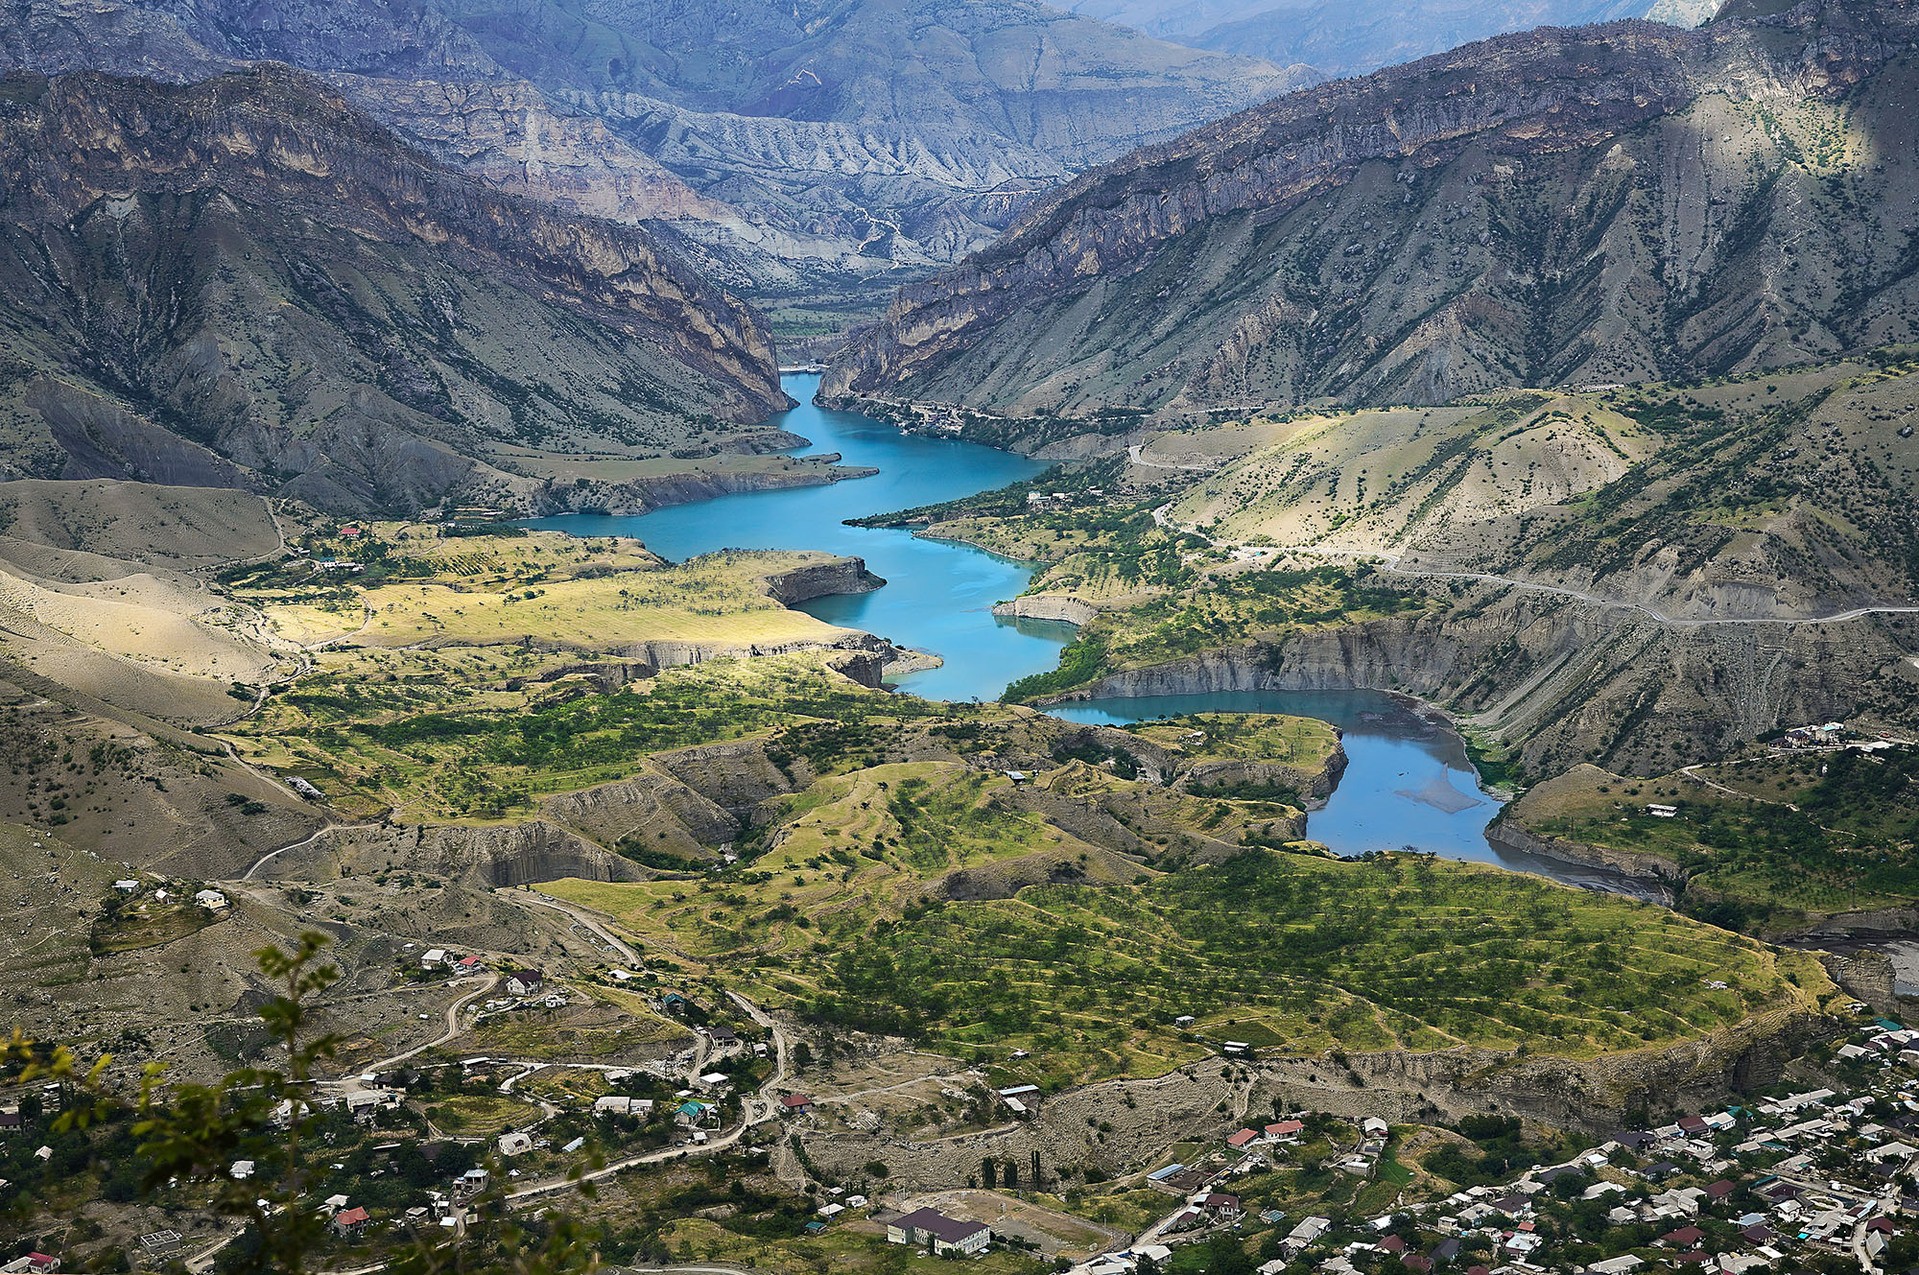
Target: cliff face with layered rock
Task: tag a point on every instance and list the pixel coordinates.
(1563, 682)
(245, 282)
(1614, 203)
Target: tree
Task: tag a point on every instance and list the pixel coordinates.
(1226, 1256)
(989, 1172)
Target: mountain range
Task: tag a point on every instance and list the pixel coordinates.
(245, 282)
(1352, 39)
(1606, 204)
(799, 152)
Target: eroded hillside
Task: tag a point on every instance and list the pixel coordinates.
(245, 283)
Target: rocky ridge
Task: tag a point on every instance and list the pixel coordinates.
(1615, 203)
(244, 282)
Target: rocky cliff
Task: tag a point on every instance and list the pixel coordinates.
(246, 282)
(1563, 682)
(1615, 203)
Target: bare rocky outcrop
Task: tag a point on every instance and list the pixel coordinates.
(1042, 606)
(486, 856)
(821, 580)
(1508, 833)
(655, 811)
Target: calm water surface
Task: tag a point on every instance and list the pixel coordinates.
(1408, 782)
(938, 597)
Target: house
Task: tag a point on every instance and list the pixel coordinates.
(468, 965)
(931, 1229)
(796, 1104)
(435, 958)
(1285, 1131)
(1684, 1237)
(1241, 1140)
(525, 983)
(211, 900)
(692, 1112)
(675, 1004)
(241, 1170)
(1308, 1230)
(724, 1037)
(1620, 1265)
(352, 1221)
(32, 1264)
(1374, 1127)
(620, 1105)
(1221, 1205)
(516, 1143)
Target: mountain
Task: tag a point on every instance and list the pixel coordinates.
(1565, 207)
(244, 282)
(795, 149)
(1352, 39)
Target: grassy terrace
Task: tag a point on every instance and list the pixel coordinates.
(419, 587)
(1286, 951)
(465, 733)
(1305, 954)
(1779, 842)
(468, 676)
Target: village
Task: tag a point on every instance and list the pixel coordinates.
(1817, 1179)
(1822, 1177)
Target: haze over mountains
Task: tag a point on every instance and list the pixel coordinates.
(800, 151)
(1352, 38)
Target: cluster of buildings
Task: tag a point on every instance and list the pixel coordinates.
(1812, 1176)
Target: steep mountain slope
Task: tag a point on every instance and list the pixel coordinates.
(1351, 39)
(1615, 203)
(243, 282)
(827, 142)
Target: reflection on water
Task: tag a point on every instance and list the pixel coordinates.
(1409, 784)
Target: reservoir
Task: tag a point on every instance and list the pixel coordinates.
(1408, 782)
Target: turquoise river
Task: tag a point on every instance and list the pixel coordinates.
(1408, 782)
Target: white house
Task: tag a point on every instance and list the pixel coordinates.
(512, 1144)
